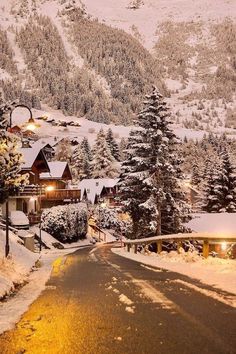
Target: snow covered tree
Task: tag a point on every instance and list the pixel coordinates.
(86, 147)
(80, 162)
(219, 189)
(122, 148)
(103, 163)
(10, 158)
(149, 184)
(113, 146)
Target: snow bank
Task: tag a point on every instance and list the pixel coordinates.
(15, 269)
(214, 222)
(47, 239)
(219, 273)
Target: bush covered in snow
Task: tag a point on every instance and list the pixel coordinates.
(109, 219)
(67, 223)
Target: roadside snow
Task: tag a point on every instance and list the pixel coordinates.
(47, 239)
(219, 273)
(125, 300)
(215, 222)
(15, 269)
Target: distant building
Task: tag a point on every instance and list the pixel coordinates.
(93, 190)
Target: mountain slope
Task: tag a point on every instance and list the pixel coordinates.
(65, 54)
(76, 64)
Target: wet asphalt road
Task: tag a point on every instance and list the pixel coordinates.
(100, 303)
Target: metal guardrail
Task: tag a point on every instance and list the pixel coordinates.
(207, 238)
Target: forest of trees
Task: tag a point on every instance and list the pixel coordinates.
(108, 53)
(211, 163)
(101, 161)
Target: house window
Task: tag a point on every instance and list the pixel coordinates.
(88, 190)
(97, 184)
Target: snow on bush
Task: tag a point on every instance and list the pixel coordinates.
(67, 223)
(109, 219)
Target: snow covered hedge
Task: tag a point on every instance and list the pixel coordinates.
(109, 219)
(67, 223)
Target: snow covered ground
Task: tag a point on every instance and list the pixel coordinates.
(219, 273)
(87, 128)
(151, 12)
(15, 269)
(223, 223)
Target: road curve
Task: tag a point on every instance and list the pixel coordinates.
(100, 303)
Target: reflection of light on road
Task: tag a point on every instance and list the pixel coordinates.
(60, 264)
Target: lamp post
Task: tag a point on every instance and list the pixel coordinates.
(9, 126)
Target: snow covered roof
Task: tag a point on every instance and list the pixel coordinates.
(94, 187)
(30, 155)
(57, 169)
(42, 142)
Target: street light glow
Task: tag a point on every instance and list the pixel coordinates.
(223, 246)
(32, 125)
(50, 188)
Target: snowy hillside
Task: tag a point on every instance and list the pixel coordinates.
(56, 53)
(142, 19)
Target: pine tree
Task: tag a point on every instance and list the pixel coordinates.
(113, 146)
(86, 148)
(103, 163)
(122, 148)
(211, 191)
(10, 157)
(219, 189)
(149, 179)
(228, 183)
(80, 163)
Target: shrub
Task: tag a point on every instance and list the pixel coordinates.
(67, 223)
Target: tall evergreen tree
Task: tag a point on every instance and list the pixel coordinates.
(149, 179)
(219, 189)
(80, 162)
(103, 163)
(113, 146)
(122, 148)
(10, 157)
(86, 148)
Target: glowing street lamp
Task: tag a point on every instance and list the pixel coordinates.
(31, 124)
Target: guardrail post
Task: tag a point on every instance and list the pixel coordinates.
(135, 248)
(205, 250)
(178, 246)
(159, 246)
(128, 247)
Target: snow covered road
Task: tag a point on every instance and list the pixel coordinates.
(99, 302)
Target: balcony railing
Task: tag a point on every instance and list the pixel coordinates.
(30, 190)
(55, 194)
(62, 194)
